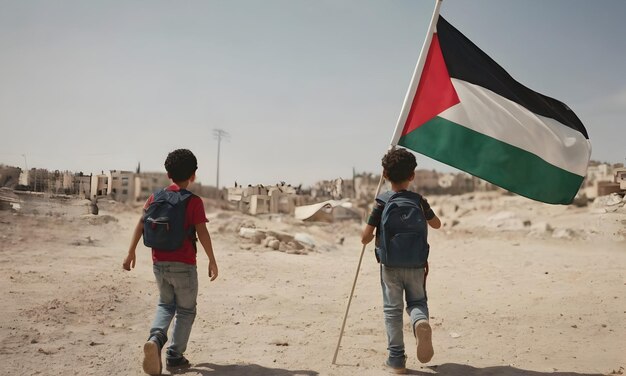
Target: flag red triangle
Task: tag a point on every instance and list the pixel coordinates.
(435, 92)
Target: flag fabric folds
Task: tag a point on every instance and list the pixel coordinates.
(470, 113)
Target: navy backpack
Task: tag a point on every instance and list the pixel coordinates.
(164, 219)
(403, 231)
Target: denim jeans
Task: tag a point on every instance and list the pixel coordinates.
(178, 290)
(395, 282)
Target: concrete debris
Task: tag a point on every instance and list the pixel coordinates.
(613, 200)
(275, 240)
(274, 244)
(541, 228)
(563, 233)
(305, 239)
(507, 221)
(282, 236)
(327, 211)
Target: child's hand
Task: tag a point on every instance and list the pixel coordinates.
(212, 270)
(129, 261)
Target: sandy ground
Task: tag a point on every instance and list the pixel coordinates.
(508, 295)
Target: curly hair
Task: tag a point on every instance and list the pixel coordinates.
(399, 164)
(181, 164)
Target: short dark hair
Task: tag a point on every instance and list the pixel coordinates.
(181, 164)
(399, 164)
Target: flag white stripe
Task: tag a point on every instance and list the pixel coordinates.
(488, 113)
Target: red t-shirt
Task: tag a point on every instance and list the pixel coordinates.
(195, 214)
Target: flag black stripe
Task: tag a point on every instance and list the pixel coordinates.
(465, 61)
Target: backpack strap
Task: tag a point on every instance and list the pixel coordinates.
(191, 231)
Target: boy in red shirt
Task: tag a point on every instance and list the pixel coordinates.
(175, 271)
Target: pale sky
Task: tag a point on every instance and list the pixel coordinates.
(307, 89)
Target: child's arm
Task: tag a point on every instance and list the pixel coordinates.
(205, 240)
(129, 261)
(434, 222)
(368, 234)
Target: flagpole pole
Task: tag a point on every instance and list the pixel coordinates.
(356, 276)
(408, 99)
(417, 74)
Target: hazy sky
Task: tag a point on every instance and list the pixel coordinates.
(307, 89)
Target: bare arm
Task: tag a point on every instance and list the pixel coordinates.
(368, 234)
(435, 222)
(205, 240)
(129, 261)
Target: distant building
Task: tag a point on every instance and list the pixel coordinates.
(601, 179)
(10, 176)
(258, 199)
(620, 177)
(127, 186)
(146, 183)
(122, 185)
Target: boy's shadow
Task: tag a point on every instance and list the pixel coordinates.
(210, 369)
(453, 369)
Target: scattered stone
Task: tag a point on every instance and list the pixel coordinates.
(541, 228)
(563, 233)
(506, 221)
(251, 233)
(305, 239)
(282, 236)
(279, 343)
(274, 244)
(454, 335)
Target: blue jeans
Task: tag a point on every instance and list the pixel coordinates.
(178, 290)
(395, 282)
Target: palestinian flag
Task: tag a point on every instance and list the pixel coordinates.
(470, 113)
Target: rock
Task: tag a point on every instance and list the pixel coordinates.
(282, 236)
(563, 233)
(253, 234)
(248, 232)
(305, 239)
(295, 245)
(540, 228)
(274, 244)
(506, 220)
(613, 199)
(268, 240)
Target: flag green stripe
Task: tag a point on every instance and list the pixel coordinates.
(502, 164)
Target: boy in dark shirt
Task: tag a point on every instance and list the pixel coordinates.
(399, 168)
(175, 271)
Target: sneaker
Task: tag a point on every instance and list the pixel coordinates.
(423, 333)
(397, 364)
(176, 363)
(152, 358)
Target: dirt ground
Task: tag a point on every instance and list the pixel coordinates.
(515, 288)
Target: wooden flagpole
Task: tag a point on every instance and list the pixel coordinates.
(406, 106)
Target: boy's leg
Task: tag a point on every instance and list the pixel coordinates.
(166, 306)
(184, 278)
(391, 282)
(417, 308)
(158, 332)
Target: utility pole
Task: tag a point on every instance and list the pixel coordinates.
(26, 173)
(219, 134)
